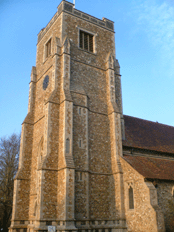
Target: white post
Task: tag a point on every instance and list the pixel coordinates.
(74, 3)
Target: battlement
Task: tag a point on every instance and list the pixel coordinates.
(68, 7)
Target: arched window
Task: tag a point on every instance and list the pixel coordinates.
(40, 151)
(131, 198)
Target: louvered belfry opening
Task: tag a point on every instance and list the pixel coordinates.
(86, 41)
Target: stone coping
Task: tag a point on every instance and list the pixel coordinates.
(68, 7)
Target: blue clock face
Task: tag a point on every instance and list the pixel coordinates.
(51, 229)
(45, 82)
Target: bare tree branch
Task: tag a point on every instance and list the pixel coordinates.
(9, 156)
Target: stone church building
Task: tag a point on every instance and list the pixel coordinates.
(84, 166)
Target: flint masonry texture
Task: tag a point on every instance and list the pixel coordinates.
(67, 173)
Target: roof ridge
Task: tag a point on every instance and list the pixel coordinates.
(148, 120)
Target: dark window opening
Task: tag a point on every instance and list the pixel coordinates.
(86, 41)
(131, 198)
(48, 223)
(80, 143)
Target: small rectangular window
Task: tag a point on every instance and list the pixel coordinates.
(86, 41)
(80, 143)
(80, 175)
(48, 49)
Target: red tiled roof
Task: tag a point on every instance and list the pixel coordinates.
(148, 135)
(153, 168)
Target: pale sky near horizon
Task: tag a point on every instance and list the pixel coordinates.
(144, 47)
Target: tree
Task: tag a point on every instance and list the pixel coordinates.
(170, 224)
(9, 156)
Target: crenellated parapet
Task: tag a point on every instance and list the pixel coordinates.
(68, 7)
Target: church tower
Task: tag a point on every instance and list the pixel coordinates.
(69, 175)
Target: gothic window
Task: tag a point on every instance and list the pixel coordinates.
(131, 197)
(86, 41)
(48, 48)
(80, 110)
(67, 145)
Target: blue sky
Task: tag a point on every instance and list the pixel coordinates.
(144, 47)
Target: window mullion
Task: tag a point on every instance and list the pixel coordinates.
(88, 42)
(83, 36)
